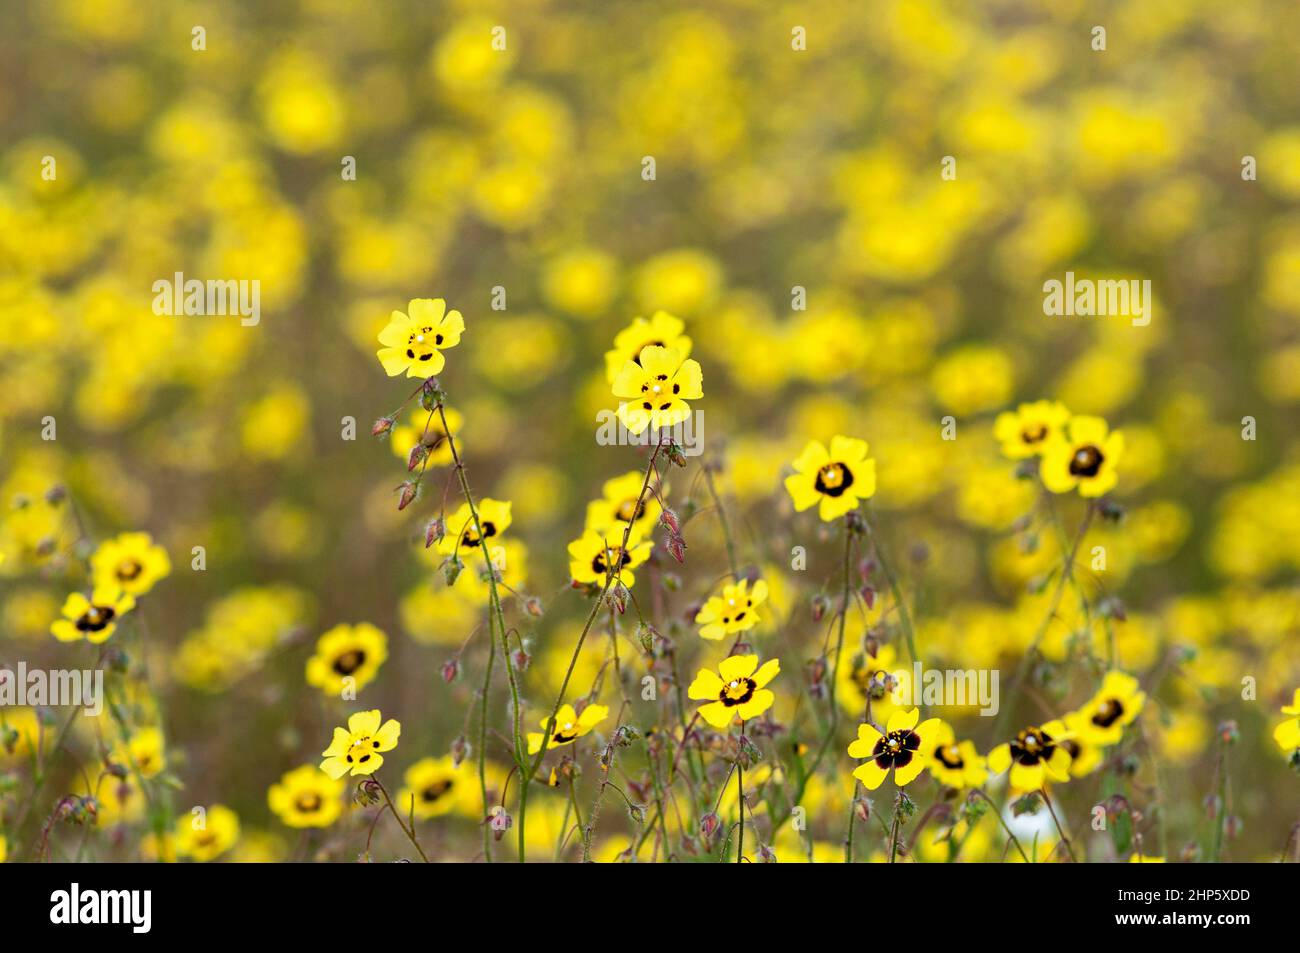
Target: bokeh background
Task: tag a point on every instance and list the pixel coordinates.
(522, 169)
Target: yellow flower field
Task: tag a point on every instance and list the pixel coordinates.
(624, 432)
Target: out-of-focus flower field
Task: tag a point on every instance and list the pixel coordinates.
(835, 221)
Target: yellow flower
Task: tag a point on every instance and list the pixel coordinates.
(407, 436)
(1086, 756)
(1024, 431)
(956, 764)
(158, 849)
(654, 389)
(4, 848)
(347, 652)
(1035, 756)
(662, 330)
(1103, 719)
(437, 786)
(569, 726)
(1084, 456)
(130, 562)
(21, 731)
(736, 689)
(904, 747)
(736, 610)
(581, 281)
(462, 536)
(144, 752)
(1287, 734)
(414, 342)
(1144, 859)
(304, 797)
(205, 837)
(837, 480)
(593, 555)
(357, 749)
(93, 619)
(618, 506)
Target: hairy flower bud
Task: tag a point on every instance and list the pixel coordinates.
(407, 495)
(434, 532)
(677, 547)
(418, 453)
(450, 669)
(382, 426)
(669, 519)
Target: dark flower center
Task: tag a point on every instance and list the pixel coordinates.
(96, 619)
(1032, 745)
(1108, 712)
(833, 479)
(737, 692)
(629, 511)
(1034, 434)
(349, 661)
(308, 803)
(896, 749)
(470, 539)
(129, 569)
(599, 564)
(435, 790)
(1086, 461)
(422, 344)
(950, 757)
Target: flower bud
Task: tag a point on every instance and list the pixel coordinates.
(450, 669)
(499, 820)
(533, 606)
(418, 453)
(618, 597)
(521, 660)
(669, 519)
(460, 750)
(434, 532)
(381, 427)
(677, 548)
(709, 825)
(407, 495)
(862, 808)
